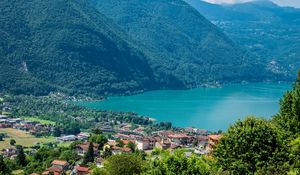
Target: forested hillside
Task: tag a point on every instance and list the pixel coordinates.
(264, 28)
(71, 47)
(66, 46)
(183, 43)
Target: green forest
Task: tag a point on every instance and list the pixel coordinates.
(92, 48)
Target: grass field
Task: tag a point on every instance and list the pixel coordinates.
(22, 138)
(46, 122)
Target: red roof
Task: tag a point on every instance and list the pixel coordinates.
(34, 174)
(215, 137)
(54, 169)
(127, 141)
(82, 168)
(59, 162)
(121, 149)
(85, 146)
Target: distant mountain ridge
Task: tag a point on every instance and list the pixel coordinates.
(266, 29)
(69, 46)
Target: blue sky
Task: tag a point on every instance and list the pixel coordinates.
(292, 3)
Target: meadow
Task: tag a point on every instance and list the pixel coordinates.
(22, 138)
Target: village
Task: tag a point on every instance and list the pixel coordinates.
(121, 139)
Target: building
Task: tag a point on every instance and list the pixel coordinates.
(8, 152)
(143, 144)
(180, 139)
(80, 170)
(83, 136)
(67, 138)
(3, 116)
(58, 167)
(83, 148)
(120, 150)
(213, 140)
(163, 144)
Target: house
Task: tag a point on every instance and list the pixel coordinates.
(202, 141)
(3, 117)
(213, 140)
(58, 167)
(4, 125)
(67, 138)
(111, 143)
(181, 139)
(3, 120)
(83, 136)
(120, 150)
(126, 142)
(8, 152)
(202, 132)
(83, 148)
(143, 144)
(80, 170)
(163, 144)
(16, 120)
(34, 174)
(165, 134)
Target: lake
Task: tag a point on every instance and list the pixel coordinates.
(206, 108)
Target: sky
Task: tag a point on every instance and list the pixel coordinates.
(291, 3)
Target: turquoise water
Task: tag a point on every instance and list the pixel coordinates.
(206, 108)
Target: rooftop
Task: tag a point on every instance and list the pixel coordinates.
(59, 162)
(82, 168)
(215, 137)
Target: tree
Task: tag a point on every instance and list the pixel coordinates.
(97, 131)
(21, 158)
(4, 170)
(132, 146)
(107, 152)
(89, 155)
(1, 137)
(250, 146)
(99, 171)
(57, 132)
(69, 155)
(178, 164)
(288, 119)
(99, 139)
(120, 143)
(295, 154)
(12, 142)
(123, 164)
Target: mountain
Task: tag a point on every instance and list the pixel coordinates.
(67, 46)
(74, 48)
(262, 27)
(181, 42)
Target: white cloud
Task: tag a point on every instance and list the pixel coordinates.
(292, 3)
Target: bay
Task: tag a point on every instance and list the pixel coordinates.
(207, 108)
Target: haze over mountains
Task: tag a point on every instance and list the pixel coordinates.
(264, 28)
(115, 47)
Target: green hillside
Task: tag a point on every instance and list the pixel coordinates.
(71, 47)
(182, 42)
(68, 45)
